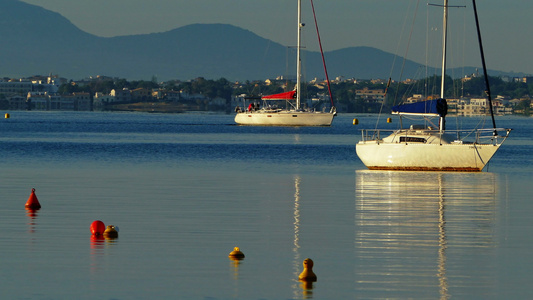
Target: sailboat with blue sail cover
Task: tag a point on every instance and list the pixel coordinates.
(432, 148)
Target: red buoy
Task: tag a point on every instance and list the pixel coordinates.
(97, 227)
(32, 202)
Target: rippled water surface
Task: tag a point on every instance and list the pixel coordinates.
(184, 189)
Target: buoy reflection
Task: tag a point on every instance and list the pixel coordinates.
(235, 263)
(97, 243)
(307, 288)
(32, 217)
(99, 249)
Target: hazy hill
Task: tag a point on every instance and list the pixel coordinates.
(38, 41)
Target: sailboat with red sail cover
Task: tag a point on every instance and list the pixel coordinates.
(294, 114)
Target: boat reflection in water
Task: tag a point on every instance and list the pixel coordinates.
(425, 234)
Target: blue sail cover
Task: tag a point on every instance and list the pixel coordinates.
(429, 107)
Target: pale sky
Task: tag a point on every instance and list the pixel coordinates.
(507, 26)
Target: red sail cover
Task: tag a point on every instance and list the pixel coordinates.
(282, 96)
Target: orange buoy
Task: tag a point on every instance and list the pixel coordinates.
(7, 116)
(236, 254)
(355, 121)
(389, 120)
(111, 232)
(32, 202)
(308, 274)
(97, 227)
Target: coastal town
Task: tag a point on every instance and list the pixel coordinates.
(53, 93)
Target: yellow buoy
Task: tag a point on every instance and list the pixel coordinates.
(389, 120)
(355, 121)
(111, 232)
(7, 116)
(308, 274)
(236, 254)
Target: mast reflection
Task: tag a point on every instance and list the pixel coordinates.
(301, 290)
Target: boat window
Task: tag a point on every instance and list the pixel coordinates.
(410, 139)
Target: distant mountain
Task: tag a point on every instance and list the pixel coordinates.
(38, 41)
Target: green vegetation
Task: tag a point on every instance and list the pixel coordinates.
(344, 92)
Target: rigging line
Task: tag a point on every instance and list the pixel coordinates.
(484, 68)
(408, 43)
(431, 77)
(464, 51)
(393, 64)
(267, 49)
(322, 53)
(440, 5)
(426, 80)
(463, 63)
(456, 55)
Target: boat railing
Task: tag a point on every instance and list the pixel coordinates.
(372, 134)
(492, 135)
(477, 136)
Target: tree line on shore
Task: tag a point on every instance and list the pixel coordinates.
(344, 92)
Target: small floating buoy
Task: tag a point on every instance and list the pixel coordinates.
(389, 120)
(7, 116)
(32, 202)
(236, 254)
(97, 227)
(111, 232)
(308, 274)
(355, 121)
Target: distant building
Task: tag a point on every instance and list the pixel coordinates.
(101, 99)
(415, 98)
(47, 101)
(123, 95)
(141, 95)
(38, 101)
(370, 96)
(55, 102)
(378, 81)
(35, 84)
(17, 102)
(76, 102)
(16, 87)
(525, 79)
(158, 94)
(218, 101)
(172, 96)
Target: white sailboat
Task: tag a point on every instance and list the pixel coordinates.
(428, 148)
(295, 115)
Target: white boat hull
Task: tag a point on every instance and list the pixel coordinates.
(285, 118)
(425, 157)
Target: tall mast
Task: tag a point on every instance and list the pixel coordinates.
(298, 60)
(444, 41)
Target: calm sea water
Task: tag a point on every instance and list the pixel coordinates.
(184, 189)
